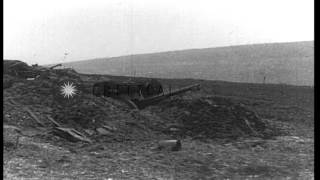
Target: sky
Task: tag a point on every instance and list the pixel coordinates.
(57, 31)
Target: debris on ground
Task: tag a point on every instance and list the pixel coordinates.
(47, 136)
(210, 117)
(171, 145)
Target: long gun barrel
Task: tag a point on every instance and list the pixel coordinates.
(55, 66)
(155, 99)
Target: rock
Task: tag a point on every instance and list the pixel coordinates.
(103, 131)
(171, 145)
(109, 128)
(187, 113)
(174, 129)
(89, 132)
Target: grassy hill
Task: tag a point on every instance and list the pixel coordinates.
(286, 63)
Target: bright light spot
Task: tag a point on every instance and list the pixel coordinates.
(68, 90)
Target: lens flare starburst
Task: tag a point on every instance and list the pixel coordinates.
(68, 90)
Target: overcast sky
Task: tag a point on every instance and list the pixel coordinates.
(42, 31)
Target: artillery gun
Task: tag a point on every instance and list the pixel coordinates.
(138, 94)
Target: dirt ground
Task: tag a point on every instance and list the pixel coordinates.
(239, 131)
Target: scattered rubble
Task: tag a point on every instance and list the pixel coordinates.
(210, 117)
(113, 140)
(71, 134)
(41, 102)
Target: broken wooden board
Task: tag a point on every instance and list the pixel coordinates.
(53, 121)
(13, 128)
(71, 134)
(34, 116)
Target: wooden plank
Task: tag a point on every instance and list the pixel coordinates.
(13, 102)
(130, 103)
(34, 116)
(53, 121)
(12, 128)
(74, 133)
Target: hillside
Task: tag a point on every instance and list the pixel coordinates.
(285, 63)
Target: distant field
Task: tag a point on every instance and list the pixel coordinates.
(279, 63)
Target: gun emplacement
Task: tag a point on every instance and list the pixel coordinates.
(141, 94)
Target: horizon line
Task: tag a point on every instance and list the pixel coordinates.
(158, 52)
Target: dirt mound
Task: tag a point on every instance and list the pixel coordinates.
(211, 117)
(19, 69)
(39, 102)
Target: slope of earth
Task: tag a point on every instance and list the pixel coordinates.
(264, 121)
(288, 63)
